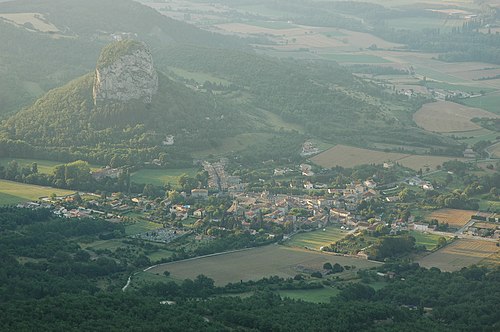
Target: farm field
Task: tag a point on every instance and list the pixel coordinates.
(446, 117)
(459, 254)
(317, 239)
(348, 156)
(454, 217)
(37, 20)
(14, 192)
(419, 23)
(255, 263)
(199, 77)
(236, 143)
(490, 102)
(495, 150)
(161, 177)
(301, 36)
(474, 136)
(321, 295)
(140, 226)
(354, 58)
(44, 166)
(430, 241)
(453, 87)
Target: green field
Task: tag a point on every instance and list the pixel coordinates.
(428, 240)
(199, 77)
(161, 177)
(111, 245)
(234, 144)
(257, 263)
(464, 88)
(420, 23)
(321, 295)
(354, 58)
(437, 75)
(317, 239)
(474, 136)
(489, 103)
(140, 226)
(14, 192)
(44, 166)
(160, 254)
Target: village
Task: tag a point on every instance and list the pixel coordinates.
(316, 207)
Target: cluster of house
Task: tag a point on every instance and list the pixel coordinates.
(219, 180)
(338, 207)
(442, 94)
(418, 182)
(107, 172)
(163, 235)
(308, 149)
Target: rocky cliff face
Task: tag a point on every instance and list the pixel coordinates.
(125, 72)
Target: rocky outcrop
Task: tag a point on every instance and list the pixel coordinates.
(125, 72)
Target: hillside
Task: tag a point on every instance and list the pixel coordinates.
(117, 117)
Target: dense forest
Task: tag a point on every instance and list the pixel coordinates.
(47, 282)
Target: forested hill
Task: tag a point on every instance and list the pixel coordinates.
(33, 61)
(67, 117)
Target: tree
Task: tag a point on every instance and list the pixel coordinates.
(327, 266)
(34, 168)
(337, 268)
(442, 241)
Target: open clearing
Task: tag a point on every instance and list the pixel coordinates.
(36, 20)
(354, 58)
(430, 241)
(234, 144)
(446, 117)
(317, 239)
(490, 102)
(256, 263)
(301, 36)
(161, 177)
(321, 295)
(454, 217)
(348, 156)
(44, 166)
(461, 253)
(14, 192)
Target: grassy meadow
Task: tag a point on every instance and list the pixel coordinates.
(430, 241)
(44, 166)
(354, 58)
(317, 239)
(161, 177)
(14, 192)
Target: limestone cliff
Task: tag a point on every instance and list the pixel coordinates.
(125, 72)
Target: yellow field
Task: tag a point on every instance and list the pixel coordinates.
(302, 36)
(446, 117)
(36, 19)
(256, 263)
(14, 192)
(454, 217)
(462, 253)
(348, 156)
(495, 151)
